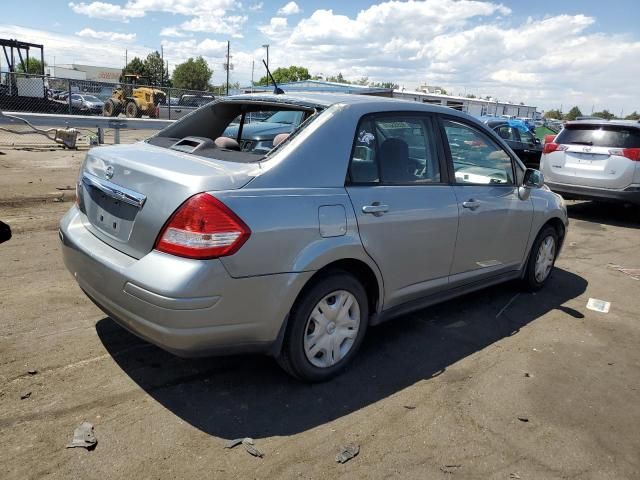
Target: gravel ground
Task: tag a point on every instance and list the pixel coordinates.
(546, 389)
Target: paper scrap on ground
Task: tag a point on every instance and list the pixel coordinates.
(84, 437)
(598, 305)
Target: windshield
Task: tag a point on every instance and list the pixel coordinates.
(91, 98)
(284, 116)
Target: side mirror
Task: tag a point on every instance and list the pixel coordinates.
(533, 178)
(537, 141)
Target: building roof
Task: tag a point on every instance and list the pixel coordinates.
(322, 86)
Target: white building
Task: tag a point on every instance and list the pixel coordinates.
(86, 72)
(472, 106)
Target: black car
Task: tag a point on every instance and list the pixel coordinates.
(258, 135)
(521, 140)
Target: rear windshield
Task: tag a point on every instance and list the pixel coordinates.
(616, 136)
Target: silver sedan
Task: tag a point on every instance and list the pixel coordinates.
(371, 208)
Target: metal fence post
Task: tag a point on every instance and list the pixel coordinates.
(116, 136)
(169, 103)
(69, 97)
(100, 135)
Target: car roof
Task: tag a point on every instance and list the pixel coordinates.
(602, 122)
(325, 99)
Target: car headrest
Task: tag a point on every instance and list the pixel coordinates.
(226, 142)
(281, 137)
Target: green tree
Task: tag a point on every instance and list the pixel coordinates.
(33, 66)
(134, 67)
(573, 114)
(606, 114)
(633, 116)
(362, 81)
(192, 74)
(553, 114)
(471, 95)
(337, 79)
(288, 74)
(154, 69)
(391, 85)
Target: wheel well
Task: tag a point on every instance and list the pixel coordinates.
(361, 271)
(557, 224)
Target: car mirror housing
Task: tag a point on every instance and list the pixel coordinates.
(533, 178)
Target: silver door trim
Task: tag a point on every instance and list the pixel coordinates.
(114, 191)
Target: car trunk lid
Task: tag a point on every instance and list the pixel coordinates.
(128, 192)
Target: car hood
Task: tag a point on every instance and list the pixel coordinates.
(258, 130)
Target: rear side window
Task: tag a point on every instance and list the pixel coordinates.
(615, 136)
(394, 149)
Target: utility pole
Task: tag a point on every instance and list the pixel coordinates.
(162, 67)
(126, 58)
(228, 64)
(253, 65)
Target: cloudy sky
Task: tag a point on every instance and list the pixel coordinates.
(545, 53)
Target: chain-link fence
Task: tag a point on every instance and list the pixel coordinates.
(132, 98)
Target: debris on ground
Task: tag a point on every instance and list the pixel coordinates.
(514, 476)
(596, 305)
(247, 443)
(66, 187)
(235, 442)
(522, 418)
(450, 468)
(33, 371)
(84, 437)
(347, 453)
(25, 395)
(409, 407)
(632, 272)
(528, 375)
(507, 305)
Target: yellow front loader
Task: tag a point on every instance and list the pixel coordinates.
(134, 101)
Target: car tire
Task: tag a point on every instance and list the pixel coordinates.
(541, 259)
(303, 328)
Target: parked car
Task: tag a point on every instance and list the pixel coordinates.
(87, 103)
(258, 136)
(178, 108)
(518, 136)
(371, 208)
(595, 160)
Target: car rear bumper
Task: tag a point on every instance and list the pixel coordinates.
(188, 307)
(631, 194)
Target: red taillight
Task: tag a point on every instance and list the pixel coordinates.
(553, 147)
(630, 153)
(549, 138)
(203, 227)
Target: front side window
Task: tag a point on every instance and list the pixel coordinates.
(394, 150)
(476, 158)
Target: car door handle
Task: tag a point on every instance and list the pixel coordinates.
(471, 204)
(375, 209)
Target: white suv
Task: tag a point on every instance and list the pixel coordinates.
(595, 160)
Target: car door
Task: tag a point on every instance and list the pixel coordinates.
(531, 149)
(406, 211)
(494, 222)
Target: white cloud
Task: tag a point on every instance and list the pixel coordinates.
(290, 8)
(106, 11)
(256, 7)
(466, 45)
(276, 27)
(113, 36)
(139, 8)
(215, 24)
(172, 32)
